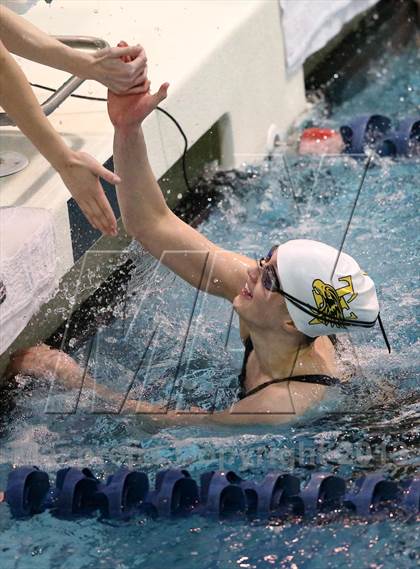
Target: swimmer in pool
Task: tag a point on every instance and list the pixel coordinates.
(288, 303)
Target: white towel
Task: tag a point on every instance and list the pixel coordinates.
(308, 25)
(27, 267)
(19, 6)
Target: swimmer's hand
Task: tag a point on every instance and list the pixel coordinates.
(39, 361)
(122, 69)
(81, 172)
(131, 109)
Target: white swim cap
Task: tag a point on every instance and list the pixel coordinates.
(318, 305)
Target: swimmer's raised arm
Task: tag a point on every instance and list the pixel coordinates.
(147, 217)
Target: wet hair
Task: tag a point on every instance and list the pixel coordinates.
(334, 339)
(310, 340)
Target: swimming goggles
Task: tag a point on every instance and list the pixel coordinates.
(271, 282)
(269, 278)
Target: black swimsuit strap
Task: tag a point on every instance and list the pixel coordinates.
(317, 379)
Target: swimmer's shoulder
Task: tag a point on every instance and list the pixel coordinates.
(286, 398)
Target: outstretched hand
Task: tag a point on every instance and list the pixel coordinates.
(81, 173)
(132, 109)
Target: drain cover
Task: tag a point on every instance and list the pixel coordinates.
(12, 162)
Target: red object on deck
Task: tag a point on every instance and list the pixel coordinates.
(318, 133)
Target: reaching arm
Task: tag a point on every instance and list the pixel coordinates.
(79, 171)
(41, 361)
(230, 417)
(105, 65)
(147, 217)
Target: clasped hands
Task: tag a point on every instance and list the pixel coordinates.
(80, 172)
(129, 110)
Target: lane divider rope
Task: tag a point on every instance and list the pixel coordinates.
(127, 493)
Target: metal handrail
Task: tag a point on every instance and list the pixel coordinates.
(67, 88)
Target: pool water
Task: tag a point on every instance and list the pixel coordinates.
(195, 356)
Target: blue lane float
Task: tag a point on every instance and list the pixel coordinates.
(128, 493)
(27, 489)
(364, 130)
(378, 133)
(370, 491)
(323, 492)
(123, 494)
(402, 140)
(273, 496)
(75, 493)
(176, 493)
(221, 494)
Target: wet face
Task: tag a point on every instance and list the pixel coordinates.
(257, 305)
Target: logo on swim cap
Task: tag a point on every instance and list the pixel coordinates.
(333, 302)
(318, 302)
